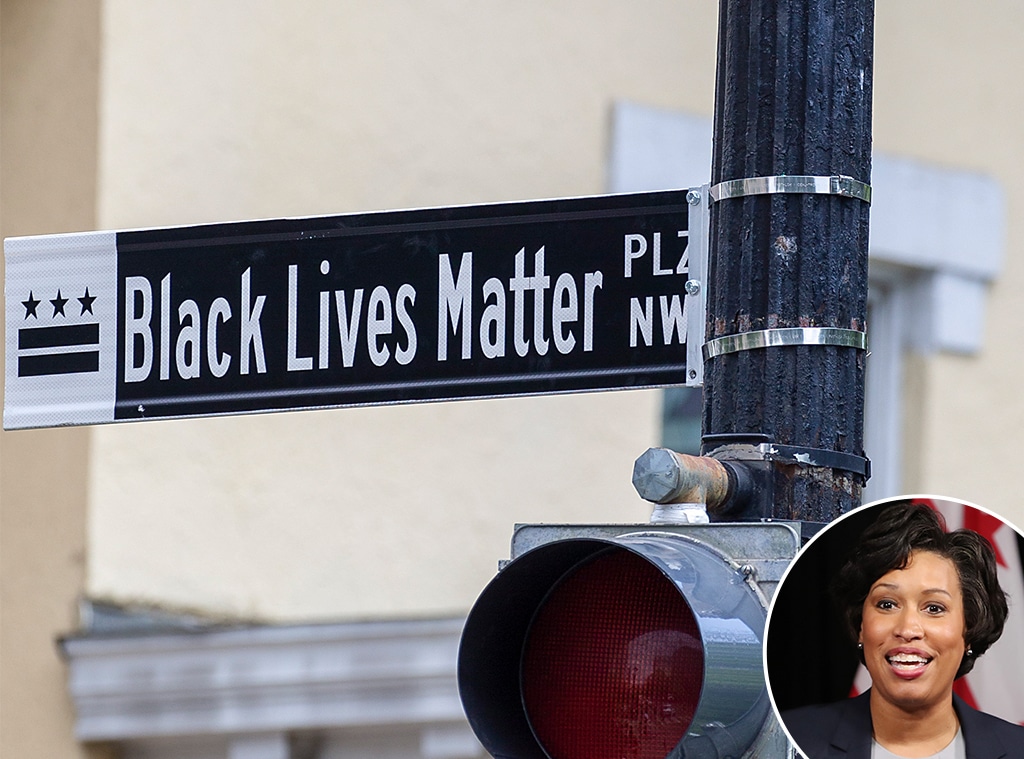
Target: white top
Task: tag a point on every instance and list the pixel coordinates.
(956, 749)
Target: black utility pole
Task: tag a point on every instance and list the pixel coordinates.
(793, 99)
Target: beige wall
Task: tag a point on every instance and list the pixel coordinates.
(324, 107)
(48, 134)
(127, 114)
(947, 91)
(243, 109)
(212, 113)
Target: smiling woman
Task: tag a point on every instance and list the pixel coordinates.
(922, 604)
(912, 632)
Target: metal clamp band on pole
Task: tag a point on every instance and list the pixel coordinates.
(771, 338)
(847, 187)
(759, 447)
(804, 456)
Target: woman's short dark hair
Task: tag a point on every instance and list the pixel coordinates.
(903, 527)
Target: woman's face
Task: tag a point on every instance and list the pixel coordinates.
(913, 631)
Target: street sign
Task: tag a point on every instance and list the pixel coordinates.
(527, 298)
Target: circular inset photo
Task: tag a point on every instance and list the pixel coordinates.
(898, 631)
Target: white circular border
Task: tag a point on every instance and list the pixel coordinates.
(810, 542)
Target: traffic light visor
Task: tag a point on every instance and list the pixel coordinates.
(631, 647)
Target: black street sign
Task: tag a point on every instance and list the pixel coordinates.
(509, 299)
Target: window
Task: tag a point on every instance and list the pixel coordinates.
(936, 244)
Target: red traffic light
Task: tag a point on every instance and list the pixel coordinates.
(613, 664)
(636, 646)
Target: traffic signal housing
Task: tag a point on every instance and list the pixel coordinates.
(626, 642)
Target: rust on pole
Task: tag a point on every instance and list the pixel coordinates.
(787, 258)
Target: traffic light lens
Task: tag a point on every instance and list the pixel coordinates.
(613, 663)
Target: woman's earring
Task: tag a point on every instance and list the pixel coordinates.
(860, 647)
(970, 651)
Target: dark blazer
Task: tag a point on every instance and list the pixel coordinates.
(843, 731)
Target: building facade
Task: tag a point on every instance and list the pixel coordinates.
(238, 586)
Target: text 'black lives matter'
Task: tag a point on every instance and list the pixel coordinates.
(498, 300)
(433, 304)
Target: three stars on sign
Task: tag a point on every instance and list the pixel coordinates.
(58, 304)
